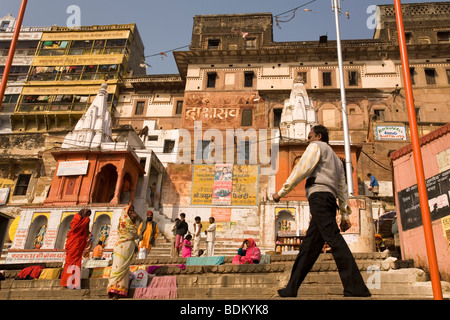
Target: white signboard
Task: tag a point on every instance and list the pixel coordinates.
(391, 133)
(72, 168)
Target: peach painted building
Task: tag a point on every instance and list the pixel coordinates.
(435, 148)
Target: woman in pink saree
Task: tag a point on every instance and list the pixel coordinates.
(248, 253)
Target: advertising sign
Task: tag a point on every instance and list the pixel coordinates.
(391, 133)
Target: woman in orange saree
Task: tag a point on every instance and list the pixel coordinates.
(75, 244)
(123, 254)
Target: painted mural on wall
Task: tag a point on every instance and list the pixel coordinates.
(225, 185)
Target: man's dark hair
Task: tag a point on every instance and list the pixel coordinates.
(322, 130)
(369, 174)
(183, 215)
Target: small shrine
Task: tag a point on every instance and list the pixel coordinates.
(91, 167)
(298, 115)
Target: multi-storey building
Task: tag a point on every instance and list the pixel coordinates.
(25, 50)
(67, 70)
(237, 76)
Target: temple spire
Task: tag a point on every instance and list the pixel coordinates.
(94, 127)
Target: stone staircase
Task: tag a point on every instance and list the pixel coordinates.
(387, 278)
(162, 248)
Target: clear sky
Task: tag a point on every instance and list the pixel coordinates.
(167, 24)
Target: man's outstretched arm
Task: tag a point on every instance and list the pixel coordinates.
(303, 169)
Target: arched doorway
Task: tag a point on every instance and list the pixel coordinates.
(64, 228)
(36, 233)
(106, 184)
(101, 229)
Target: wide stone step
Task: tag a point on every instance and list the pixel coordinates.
(387, 278)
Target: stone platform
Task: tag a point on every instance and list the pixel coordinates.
(387, 278)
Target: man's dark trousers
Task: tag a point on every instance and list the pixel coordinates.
(323, 228)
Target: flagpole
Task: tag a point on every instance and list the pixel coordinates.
(418, 164)
(12, 50)
(348, 160)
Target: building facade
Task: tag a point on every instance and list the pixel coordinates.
(67, 69)
(217, 127)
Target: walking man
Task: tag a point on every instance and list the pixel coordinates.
(325, 182)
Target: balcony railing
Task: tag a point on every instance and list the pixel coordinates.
(45, 107)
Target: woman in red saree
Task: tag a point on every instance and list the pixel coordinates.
(251, 255)
(75, 244)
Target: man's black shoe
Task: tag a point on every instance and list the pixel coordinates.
(284, 294)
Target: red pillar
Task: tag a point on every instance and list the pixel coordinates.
(418, 164)
(12, 50)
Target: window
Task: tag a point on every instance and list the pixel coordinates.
(248, 79)
(408, 37)
(448, 75)
(417, 110)
(244, 151)
(326, 78)
(168, 146)
(412, 73)
(179, 108)
(303, 76)
(379, 114)
(140, 105)
(250, 43)
(152, 138)
(430, 75)
(247, 118)
(353, 78)
(10, 98)
(277, 117)
(443, 36)
(213, 44)
(22, 184)
(211, 81)
(203, 149)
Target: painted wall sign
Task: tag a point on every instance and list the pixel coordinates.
(238, 187)
(391, 133)
(72, 168)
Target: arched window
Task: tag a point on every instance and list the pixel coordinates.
(64, 228)
(36, 233)
(106, 184)
(101, 229)
(330, 116)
